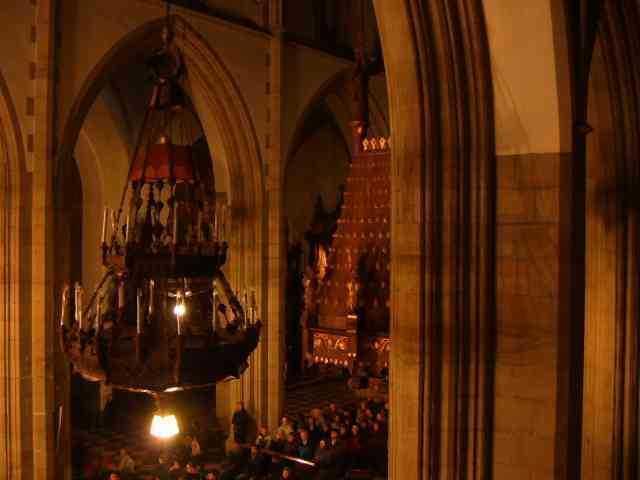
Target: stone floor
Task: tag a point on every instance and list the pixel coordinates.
(303, 396)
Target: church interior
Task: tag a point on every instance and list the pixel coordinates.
(320, 239)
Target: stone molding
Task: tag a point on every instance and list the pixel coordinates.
(13, 346)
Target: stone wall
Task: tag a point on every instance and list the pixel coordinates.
(527, 300)
(530, 141)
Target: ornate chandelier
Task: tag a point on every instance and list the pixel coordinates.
(164, 317)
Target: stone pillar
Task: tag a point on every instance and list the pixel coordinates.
(42, 321)
(276, 238)
(442, 225)
(610, 420)
(14, 346)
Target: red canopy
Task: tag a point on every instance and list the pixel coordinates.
(158, 161)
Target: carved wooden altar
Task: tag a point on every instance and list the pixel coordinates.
(346, 317)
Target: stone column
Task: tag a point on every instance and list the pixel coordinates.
(276, 238)
(14, 347)
(442, 225)
(42, 321)
(610, 421)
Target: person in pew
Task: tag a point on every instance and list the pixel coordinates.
(313, 429)
(334, 440)
(277, 444)
(240, 422)
(291, 445)
(126, 463)
(305, 447)
(325, 431)
(332, 410)
(175, 467)
(195, 449)
(255, 467)
(339, 455)
(192, 471)
(288, 474)
(321, 451)
(263, 440)
(286, 426)
(326, 462)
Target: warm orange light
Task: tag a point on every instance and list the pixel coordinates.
(164, 426)
(179, 310)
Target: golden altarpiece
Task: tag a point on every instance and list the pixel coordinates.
(346, 309)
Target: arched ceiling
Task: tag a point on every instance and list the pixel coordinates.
(115, 120)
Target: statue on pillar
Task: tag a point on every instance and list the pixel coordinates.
(353, 287)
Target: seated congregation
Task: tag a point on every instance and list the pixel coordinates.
(331, 443)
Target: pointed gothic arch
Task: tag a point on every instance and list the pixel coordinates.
(339, 109)
(231, 136)
(216, 95)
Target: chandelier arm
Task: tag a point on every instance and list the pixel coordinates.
(146, 160)
(206, 291)
(133, 160)
(169, 389)
(92, 300)
(234, 303)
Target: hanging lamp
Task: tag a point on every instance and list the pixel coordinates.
(164, 317)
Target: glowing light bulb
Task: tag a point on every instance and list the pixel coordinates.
(164, 426)
(179, 310)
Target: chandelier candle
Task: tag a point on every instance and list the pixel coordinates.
(104, 224)
(126, 232)
(179, 311)
(114, 225)
(98, 322)
(121, 294)
(175, 218)
(214, 310)
(253, 312)
(79, 294)
(139, 312)
(151, 287)
(65, 301)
